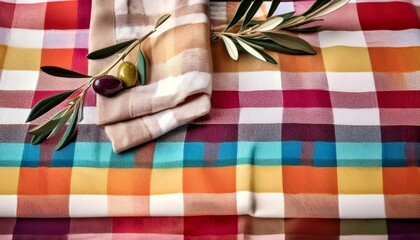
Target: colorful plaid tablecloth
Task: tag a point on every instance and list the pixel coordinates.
(336, 135)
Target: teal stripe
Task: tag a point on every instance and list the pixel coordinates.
(193, 154)
(11, 154)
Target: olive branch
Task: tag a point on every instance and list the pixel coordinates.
(245, 35)
(73, 112)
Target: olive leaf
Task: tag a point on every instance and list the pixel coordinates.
(251, 12)
(305, 30)
(293, 21)
(230, 47)
(252, 44)
(269, 24)
(62, 121)
(328, 8)
(59, 114)
(37, 139)
(108, 51)
(272, 46)
(68, 134)
(273, 7)
(44, 127)
(290, 42)
(250, 49)
(267, 57)
(253, 22)
(62, 72)
(318, 4)
(304, 22)
(47, 104)
(287, 15)
(141, 67)
(240, 12)
(162, 19)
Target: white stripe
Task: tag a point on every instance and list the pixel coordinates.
(88, 206)
(351, 81)
(13, 115)
(384, 38)
(167, 205)
(356, 117)
(26, 38)
(18, 80)
(19, 115)
(60, 38)
(4, 36)
(374, 38)
(361, 206)
(8, 205)
(16, 37)
(342, 38)
(258, 81)
(260, 115)
(260, 204)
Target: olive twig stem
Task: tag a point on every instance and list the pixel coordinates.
(124, 54)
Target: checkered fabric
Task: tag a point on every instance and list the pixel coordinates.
(336, 135)
(208, 227)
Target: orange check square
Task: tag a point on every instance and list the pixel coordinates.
(308, 179)
(209, 180)
(401, 59)
(57, 57)
(401, 180)
(126, 181)
(44, 181)
(308, 63)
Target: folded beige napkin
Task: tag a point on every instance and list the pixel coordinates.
(179, 67)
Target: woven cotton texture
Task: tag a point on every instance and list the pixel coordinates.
(336, 135)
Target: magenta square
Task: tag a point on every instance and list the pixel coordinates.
(225, 99)
(42, 226)
(80, 63)
(354, 100)
(83, 16)
(261, 99)
(308, 132)
(306, 98)
(212, 133)
(211, 226)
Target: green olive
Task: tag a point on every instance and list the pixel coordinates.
(128, 75)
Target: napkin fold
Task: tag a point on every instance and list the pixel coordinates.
(179, 68)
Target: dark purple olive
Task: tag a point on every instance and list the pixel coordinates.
(107, 85)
